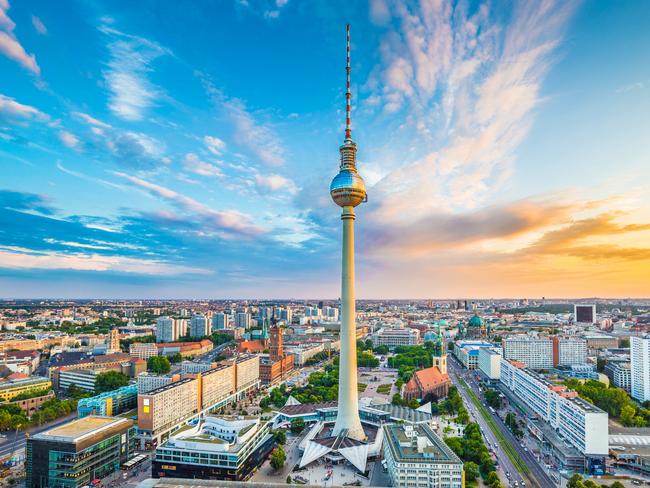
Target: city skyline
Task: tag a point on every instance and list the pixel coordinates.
(158, 151)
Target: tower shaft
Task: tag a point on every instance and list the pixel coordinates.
(347, 419)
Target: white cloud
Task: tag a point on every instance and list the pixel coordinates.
(91, 120)
(469, 86)
(275, 183)
(132, 94)
(259, 139)
(11, 107)
(215, 145)
(194, 164)
(9, 45)
(39, 25)
(21, 258)
(69, 139)
(229, 222)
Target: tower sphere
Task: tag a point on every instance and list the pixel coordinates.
(348, 189)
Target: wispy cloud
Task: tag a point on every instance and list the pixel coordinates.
(275, 183)
(9, 44)
(196, 165)
(131, 57)
(69, 139)
(91, 120)
(10, 107)
(229, 222)
(20, 258)
(261, 140)
(39, 25)
(469, 85)
(215, 145)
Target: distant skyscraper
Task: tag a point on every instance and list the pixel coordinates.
(198, 326)
(242, 319)
(348, 190)
(584, 314)
(166, 330)
(640, 366)
(220, 321)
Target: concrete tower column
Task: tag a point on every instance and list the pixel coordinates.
(348, 408)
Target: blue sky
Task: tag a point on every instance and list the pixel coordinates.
(167, 149)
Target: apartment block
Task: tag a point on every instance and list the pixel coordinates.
(577, 422)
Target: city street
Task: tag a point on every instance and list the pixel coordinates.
(537, 476)
(7, 445)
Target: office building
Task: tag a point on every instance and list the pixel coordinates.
(220, 321)
(10, 388)
(467, 351)
(223, 448)
(120, 362)
(143, 350)
(545, 352)
(416, 458)
(243, 320)
(166, 329)
(489, 362)
(640, 368)
(162, 410)
(620, 374)
(395, 336)
(198, 326)
(78, 452)
(109, 403)
(584, 314)
(577, 422)
(84, 379)
(147, 382)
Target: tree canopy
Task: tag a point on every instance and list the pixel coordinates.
(109, 381)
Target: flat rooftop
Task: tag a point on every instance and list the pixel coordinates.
(77, 429)
(423, 445)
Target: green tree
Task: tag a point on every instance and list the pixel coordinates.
(109, 381)
(493, 398)
(159, 365)
(617, 484)
(471, 471)
(627, 415)
(278, 457)
(297, 425)
(463, 416)
(280, 436)
(289, 480)
(175, 358)
(575, 482)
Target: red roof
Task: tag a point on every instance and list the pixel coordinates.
(430, 378)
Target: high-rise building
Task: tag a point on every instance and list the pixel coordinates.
(584, 314)
(76, 453)
(166, 329)
(640, 367)
(545, 352)
(578, 422)
(220, 321)
(243, 319)
(286, 314)
(198, 326)
(348, 190)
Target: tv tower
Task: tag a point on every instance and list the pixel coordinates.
(348, 190)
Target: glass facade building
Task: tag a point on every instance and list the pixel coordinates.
(74, 454)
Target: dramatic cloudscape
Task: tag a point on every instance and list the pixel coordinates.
(185, 149)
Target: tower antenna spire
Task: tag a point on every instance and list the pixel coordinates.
(348, 95)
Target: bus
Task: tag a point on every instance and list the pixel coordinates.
(134, 462)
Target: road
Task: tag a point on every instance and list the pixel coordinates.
(537, 476)
(508, 470)
(7, 445)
